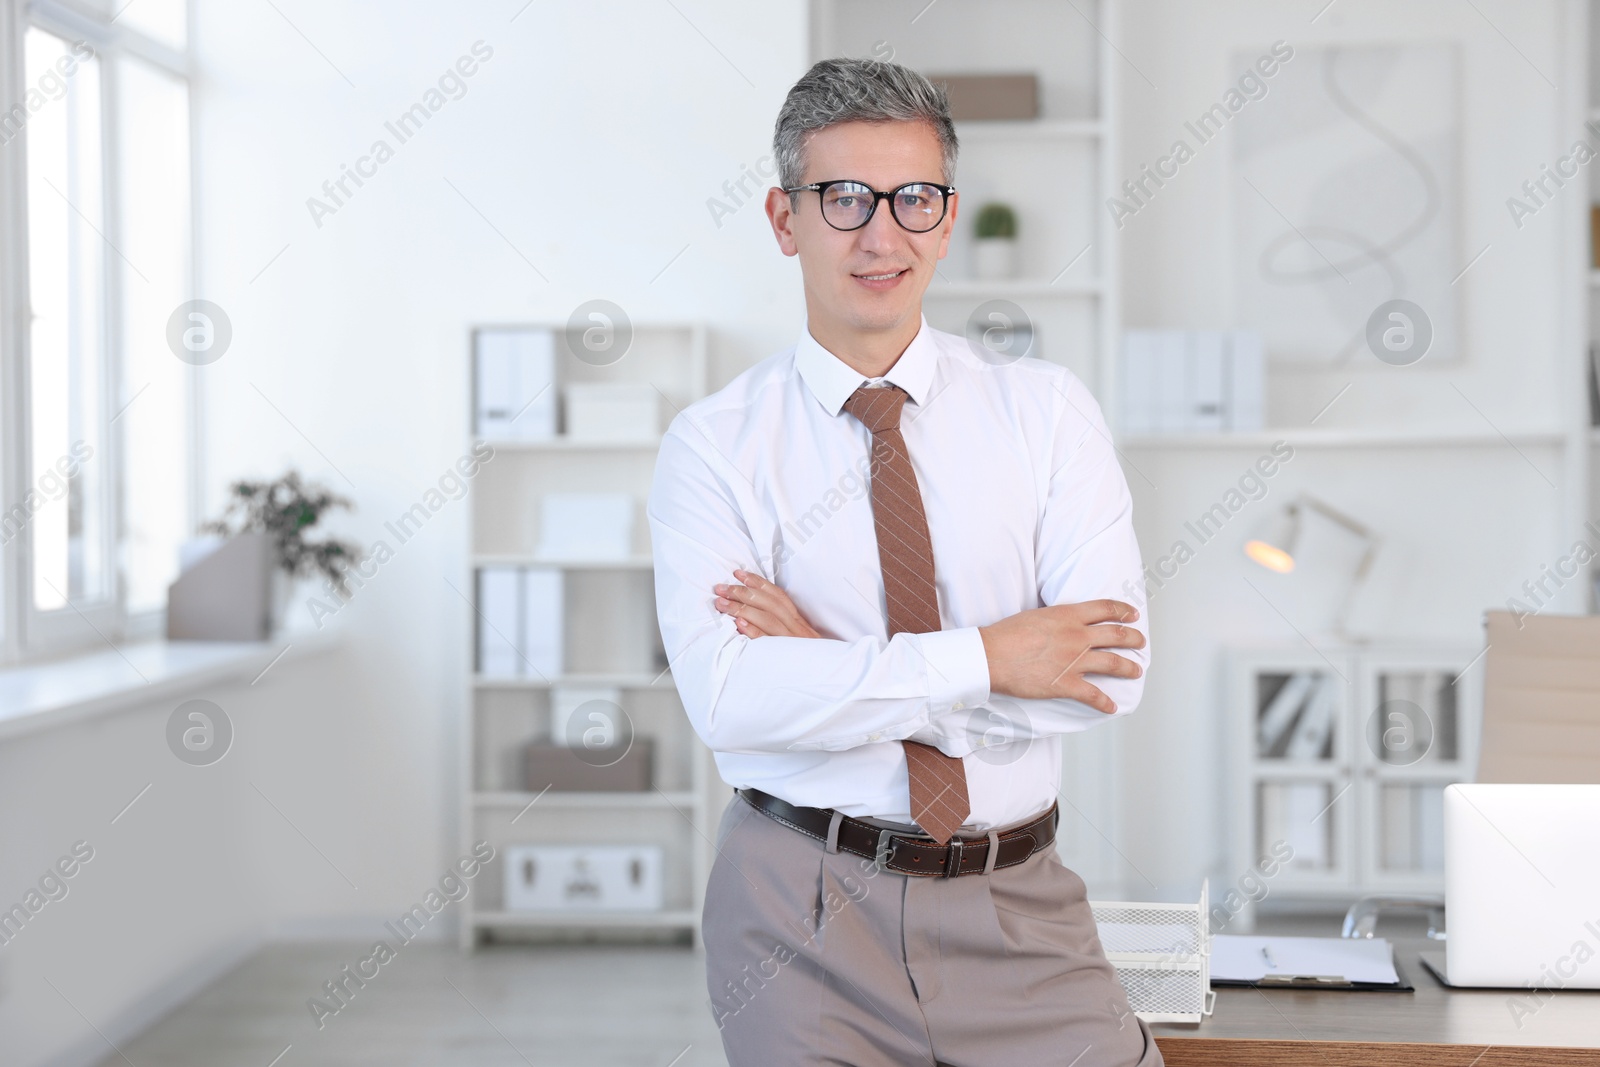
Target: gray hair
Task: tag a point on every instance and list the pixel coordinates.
(858, 90)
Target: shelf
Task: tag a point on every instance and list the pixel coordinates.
(514, 559)
(666, 801)
(1019, 287)
(620, 679)
(1313, 438)
(1031, 129)
(608, 610)
(678, 918)
(571, 444)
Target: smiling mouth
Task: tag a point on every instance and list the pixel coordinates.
(881, 277)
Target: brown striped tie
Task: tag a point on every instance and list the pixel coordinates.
(939, 801)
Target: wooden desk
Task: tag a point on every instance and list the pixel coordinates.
(1432, 1027)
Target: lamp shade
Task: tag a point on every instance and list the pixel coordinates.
(1274, 543)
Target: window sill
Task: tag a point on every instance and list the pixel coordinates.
(47, 695)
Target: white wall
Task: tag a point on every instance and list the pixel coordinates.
(590, 140)
(1463, 528)
(191, 867)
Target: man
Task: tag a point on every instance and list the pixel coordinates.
(884, 573)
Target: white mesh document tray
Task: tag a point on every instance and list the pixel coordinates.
(1162, 955)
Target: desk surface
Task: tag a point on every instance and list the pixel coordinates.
(1433, 1027)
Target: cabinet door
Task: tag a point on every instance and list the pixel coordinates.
(1291, 711)
(1416, 718)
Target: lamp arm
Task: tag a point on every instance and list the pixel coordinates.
(1337, 516)
(1356, 580)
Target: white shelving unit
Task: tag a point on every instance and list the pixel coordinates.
(611, 639)
(1068, 254)
(1344, 757)
(1067, 246)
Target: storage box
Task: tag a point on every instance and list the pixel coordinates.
(621, 768)
(586, 525)
(583, 878)
(984, 97)
(613, 411)
(1162, 956)
(226, 595)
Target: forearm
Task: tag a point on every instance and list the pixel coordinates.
(781, 694)
(1004, 719)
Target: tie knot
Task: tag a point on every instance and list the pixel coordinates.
(878, 408)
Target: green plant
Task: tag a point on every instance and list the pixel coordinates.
(997, 220)
(285, 510)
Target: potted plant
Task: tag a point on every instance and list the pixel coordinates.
(286, 510)
(995, 250)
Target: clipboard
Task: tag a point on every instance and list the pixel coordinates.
(1307, 963)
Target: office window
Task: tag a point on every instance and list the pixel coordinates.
(96, 413)
(154, 191)
(66, 276)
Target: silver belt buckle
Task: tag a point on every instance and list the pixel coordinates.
(881, 859)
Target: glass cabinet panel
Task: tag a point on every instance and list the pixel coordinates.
(1415, 720)
(1296, 712)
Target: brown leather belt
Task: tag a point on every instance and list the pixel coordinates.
(913, 854)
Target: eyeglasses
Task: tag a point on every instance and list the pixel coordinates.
(849, 205)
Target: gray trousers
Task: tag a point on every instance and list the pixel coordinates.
(816, 957)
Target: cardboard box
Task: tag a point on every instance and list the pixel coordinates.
(990, 97)
(1541, 699)
(622, 768)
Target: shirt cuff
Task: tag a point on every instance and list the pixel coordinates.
(958, 669)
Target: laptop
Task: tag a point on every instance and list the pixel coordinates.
(1522, 887)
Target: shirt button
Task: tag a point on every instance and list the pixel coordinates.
(874, 737)
(957, 706)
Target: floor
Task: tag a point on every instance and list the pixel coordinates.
(512, 1006)
(504, 1006)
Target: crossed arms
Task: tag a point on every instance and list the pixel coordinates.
(757, 677)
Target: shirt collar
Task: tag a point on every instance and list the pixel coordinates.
(832, 380)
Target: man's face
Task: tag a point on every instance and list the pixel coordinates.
(840, 266)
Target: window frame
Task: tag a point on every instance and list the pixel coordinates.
(27, 633)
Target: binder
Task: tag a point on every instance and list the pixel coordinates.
(498, 652)
(514, 394)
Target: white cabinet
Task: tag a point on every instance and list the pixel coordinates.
(1342, 755)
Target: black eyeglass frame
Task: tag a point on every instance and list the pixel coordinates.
(822, 188)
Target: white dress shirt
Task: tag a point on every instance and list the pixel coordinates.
(1026, 507)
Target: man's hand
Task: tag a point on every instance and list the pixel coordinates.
(1044, 653)
(761, 609)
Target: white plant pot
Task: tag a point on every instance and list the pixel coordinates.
(995, 258)
(284, 587)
